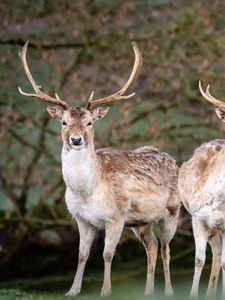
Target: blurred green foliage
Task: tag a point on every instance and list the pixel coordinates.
(84, 45)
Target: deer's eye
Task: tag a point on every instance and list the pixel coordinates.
(64, 123)
(89, 124)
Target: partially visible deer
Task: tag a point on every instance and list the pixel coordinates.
(202, 189)
(108, 189)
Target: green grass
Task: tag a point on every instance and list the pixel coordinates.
(123, 288)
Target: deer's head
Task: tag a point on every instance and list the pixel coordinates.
(77, 122)
(219, 105)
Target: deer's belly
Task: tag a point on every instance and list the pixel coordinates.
(146, 205)
(91, 209)
(145, 211)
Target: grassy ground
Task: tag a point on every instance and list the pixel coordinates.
(123, 287)
(132, 288)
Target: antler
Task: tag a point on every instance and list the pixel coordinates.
(38, 93)
(120, 94)
(209, 97)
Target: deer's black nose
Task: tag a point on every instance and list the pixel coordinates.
(76, 140)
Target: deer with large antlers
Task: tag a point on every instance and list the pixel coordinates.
(201, 185)
(109, 189)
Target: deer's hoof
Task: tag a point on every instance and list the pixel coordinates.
(149, 293)
(105, 293)
(169, 292)
(73, 292)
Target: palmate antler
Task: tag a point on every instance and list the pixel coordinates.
(206, 94)
(120, 94)
(38, 93)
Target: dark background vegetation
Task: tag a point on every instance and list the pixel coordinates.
(76, 47)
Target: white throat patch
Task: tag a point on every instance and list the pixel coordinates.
(79, 171)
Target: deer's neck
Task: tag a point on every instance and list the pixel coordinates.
(81, 171)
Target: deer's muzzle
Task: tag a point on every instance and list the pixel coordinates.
(76, 140)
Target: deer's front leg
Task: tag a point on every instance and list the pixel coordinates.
(113, 232)
(87, 233)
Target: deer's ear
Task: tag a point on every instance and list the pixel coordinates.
(220, 113)
(56, 112)
(99, 113)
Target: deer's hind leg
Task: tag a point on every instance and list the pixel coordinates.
(201, 233)
(166, 236)
(216, 245)
(223, 263)
(147, 237)
(166, 230)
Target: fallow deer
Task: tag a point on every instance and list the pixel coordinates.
(108, 189)
(201, 185)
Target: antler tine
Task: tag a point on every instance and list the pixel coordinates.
(206, 94)
(91, 96)
(38, 93)
(120, 94)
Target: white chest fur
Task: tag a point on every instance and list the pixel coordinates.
(85, 197)
(79, 172)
